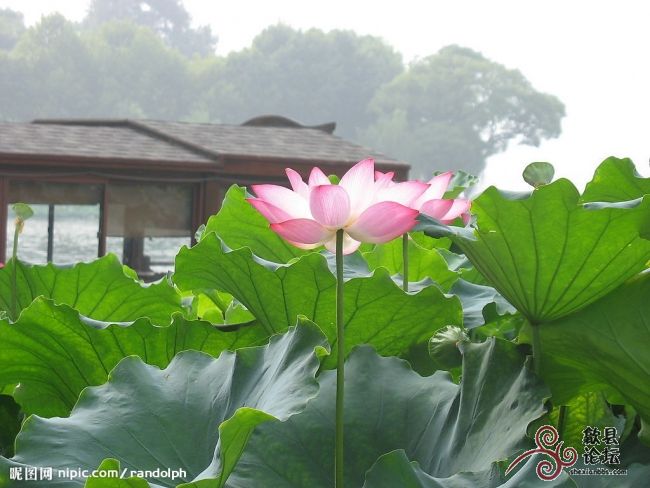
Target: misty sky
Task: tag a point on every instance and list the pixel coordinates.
(595, 56)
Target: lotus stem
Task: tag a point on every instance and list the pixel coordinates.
(537, 367)
(562, 420)
(537, 349)
(405, 261)
(340, 363)
(14, 272)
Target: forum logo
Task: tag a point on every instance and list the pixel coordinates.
(547, 441)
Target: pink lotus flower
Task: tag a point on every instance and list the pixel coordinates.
(310, 214)
(431, 203)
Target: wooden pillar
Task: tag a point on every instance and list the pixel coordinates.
(103, 222)
(50, 232)
(213, 195)
(198, 218)
(4, 201)
(133, 254)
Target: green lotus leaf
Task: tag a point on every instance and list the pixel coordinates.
(10, 420)
(109, 476)
(603, 347)
(53, 352)
(548, 254)
(445, 427)
(423, 263)
(195, 415)
(589, 409)
(460, 182)
(219, 308)
(445, 347)
(463, 266)
(394, 469)
(538, 174)
(354, 266)
(377, 311)
(238, 224)
(616, 180)
(475, 298)
(99, 289)
(22, 211)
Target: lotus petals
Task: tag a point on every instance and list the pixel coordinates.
(304, 231)
(349, 245)
(300, 245)
(298, 185)
(383, 222)
(389, 174)
(366, 204)
(330, 205)
(383, 180)
(437, 188)
(405, 193)
(459, 208)
(437, 208)
(317, 177)
(359, 182)
(272, 213)
(283, 198)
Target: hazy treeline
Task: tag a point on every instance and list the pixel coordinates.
(131, 58)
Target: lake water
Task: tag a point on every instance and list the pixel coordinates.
(75, 238)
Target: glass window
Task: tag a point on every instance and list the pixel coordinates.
(149, 210)
(146, 223)
(65, 224)
(150, 222)
(32, 246)
(76, 229)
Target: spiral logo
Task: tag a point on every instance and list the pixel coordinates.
(548, 442)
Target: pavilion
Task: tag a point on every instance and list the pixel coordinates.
(157, 179)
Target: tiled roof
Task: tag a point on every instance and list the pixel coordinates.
(180, 141)
(110, 142)
(269, 142)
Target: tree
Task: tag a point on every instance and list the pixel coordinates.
(457, 108)
(139, 76)
(55, 71)
(15, 97)
(119, 70)
(311, 76)
(168, 18)
(12, 25)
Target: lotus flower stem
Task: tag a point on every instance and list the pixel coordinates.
(405, 261)
(537, 348)
(537, 366)
(562, 419)
(340, 364)
(14, 272)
